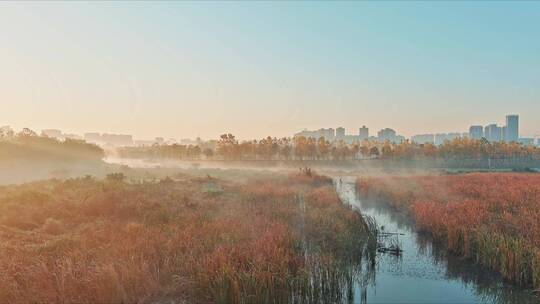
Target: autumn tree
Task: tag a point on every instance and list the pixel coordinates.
(228, 146)
(374, 151)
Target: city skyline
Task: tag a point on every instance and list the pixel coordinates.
(491, 132)
(201, 69)
(356, 128)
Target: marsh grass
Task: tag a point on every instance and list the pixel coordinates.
(189, 240)
(492, 219)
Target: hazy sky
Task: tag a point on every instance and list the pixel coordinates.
(179, 69)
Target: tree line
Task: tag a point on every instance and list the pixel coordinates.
(228, 147)
(27, 145)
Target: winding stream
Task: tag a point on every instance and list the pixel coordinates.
(424, 273)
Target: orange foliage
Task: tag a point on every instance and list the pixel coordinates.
(86, 240)
(492, 218)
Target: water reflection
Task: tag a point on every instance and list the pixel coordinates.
(425, 272)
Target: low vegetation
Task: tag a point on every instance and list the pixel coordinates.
(25, 156)
(27, 146)
(490, 218)
(286, 239)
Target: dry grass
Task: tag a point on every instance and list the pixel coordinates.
(186, 241)
(492, 218)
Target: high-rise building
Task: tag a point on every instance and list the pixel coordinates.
(512, 128)
(340, 133)
(363, 133)
(493, 133)
(476, 132)
(328, 134)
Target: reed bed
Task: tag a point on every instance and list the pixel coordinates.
(196, 240)
(490, 218)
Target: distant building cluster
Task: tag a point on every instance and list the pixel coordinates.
(329, 134)
(339, 134)
(436, 139)
(492, 132)
(107, 139)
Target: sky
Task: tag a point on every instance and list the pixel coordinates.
(188, 69)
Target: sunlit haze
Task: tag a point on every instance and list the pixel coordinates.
(302, 152)
(180, 69)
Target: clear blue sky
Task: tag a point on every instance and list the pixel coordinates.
(180, 69)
